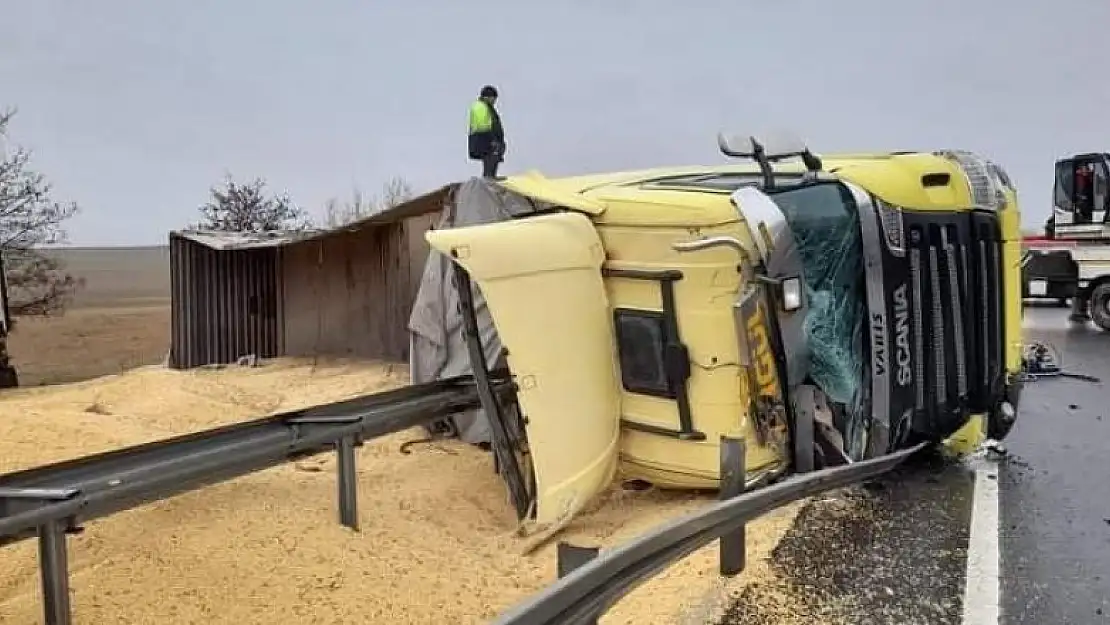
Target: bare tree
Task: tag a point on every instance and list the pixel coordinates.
(30, 219)
(245, 207)
(395, 191)
(338, 213)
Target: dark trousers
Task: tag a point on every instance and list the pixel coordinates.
(492, 160)
(490, 164)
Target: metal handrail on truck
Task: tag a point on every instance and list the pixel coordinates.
(52, 501)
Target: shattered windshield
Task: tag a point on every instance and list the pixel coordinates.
(825, 224)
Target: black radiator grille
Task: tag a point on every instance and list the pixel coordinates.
(988, 251)
(956, 308)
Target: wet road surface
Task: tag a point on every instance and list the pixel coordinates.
(896, 551)
(1055, 487)
(893, 551)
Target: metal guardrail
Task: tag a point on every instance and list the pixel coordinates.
(53, 500)
(588, 591)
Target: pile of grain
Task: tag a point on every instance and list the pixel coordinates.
(437, 543)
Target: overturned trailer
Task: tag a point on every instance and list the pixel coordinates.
(824, 310)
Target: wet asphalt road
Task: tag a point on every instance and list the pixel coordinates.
(1055, 488)
(895, 551)
(892, 551)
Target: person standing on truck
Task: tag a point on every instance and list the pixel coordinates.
(486, 136)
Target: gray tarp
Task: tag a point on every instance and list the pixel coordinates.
(437, 345)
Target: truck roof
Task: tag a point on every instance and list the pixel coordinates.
(699, 194)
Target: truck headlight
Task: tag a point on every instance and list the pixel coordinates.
(791, 296)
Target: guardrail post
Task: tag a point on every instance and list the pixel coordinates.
(803, 436)
(348, 483)
(54, 569)
(733, 547)
(569, 557)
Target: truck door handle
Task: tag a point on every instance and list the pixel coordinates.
(711, 242)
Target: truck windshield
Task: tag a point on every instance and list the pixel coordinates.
(825, 223)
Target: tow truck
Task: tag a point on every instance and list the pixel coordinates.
(1071, 261)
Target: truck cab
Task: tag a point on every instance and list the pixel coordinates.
(823, 309)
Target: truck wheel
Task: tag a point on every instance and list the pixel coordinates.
(1100, 306)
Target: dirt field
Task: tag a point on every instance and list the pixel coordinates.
(89, 342)
(119, 320)
(121, 276)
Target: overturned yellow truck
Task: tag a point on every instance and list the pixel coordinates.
(873, 298)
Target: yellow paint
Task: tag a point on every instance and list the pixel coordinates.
(553, 308)
(718, 386)
(766, 374)
(1010, 219)
(551, 312)
(968, 438)
(535, 185)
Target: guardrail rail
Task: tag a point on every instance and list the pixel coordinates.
(52, 501)
(589, 586)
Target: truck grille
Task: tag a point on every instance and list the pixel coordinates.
(956, 316)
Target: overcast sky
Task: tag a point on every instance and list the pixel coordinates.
(134, 108)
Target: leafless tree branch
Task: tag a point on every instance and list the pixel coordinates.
(395, 191)
(245, 207)
(38, 283)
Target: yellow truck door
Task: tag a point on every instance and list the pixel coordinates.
(541, 279)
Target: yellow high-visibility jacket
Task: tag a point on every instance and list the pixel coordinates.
(484, 130)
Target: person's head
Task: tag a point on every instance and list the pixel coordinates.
(489, 94)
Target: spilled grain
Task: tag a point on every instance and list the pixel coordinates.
(437, 542)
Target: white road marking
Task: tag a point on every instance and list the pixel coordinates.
(981, 589)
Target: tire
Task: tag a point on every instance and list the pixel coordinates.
(1100, 306)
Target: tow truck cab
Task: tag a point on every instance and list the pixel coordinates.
(647, 314)
(1081, 197)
